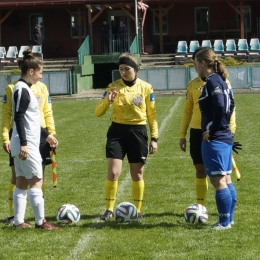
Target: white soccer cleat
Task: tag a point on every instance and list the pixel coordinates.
(218, 226)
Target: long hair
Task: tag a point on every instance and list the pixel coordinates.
(212, 62)
(29, 61)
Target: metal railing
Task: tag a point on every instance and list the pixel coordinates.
(177, 78)
(58, 82)
(83, 50)
(115, 43)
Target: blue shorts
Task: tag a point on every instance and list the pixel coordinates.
(217, 158)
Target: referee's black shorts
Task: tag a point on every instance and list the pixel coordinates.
(195, 146)
(44, 151)
(130, 140)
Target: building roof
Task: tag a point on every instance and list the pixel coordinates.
(64, 2)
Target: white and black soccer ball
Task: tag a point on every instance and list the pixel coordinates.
(196, 213)
(125, 212)
(68, 213)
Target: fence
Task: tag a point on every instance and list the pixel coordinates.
(58, 83)
(177, 78)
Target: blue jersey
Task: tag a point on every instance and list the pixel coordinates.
(216, 105)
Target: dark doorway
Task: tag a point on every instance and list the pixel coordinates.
(103, 74)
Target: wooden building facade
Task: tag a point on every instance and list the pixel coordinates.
(162, 23)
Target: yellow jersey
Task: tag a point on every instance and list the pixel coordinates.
(46, 115)
(191, 116)
(133, 105)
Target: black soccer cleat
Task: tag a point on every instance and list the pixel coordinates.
(107, 215)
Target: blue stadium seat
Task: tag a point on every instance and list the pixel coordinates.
(230, 47)
(11, 55)
(22, 49)
(2, 56)
(37, 49)
(3, 50)
(182, 47)
(254, 45)
(193, 46)
(218, 46)
(242, 47)
(206, 44)
(13, 48)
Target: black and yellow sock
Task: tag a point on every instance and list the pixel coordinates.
(10, 199)
(110, 193)
(138, 194)
(201, 190)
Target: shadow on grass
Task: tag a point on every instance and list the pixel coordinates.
(142, 224)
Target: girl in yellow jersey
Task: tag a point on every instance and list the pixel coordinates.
(133, 105)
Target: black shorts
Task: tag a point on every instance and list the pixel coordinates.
(195, 145)
(44, 151)
(130, 140)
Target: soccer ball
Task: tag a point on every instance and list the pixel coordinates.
(125, 212)
(196, 213)
(68, 213)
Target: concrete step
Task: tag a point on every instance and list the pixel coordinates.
(49, 64)
(158, 63)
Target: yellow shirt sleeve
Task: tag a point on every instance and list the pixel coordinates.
(232, 123)
(103, 105)
(7, 112)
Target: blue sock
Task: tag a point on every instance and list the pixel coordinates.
(233, 192)
(224, 201)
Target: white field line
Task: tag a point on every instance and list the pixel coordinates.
(85, 238)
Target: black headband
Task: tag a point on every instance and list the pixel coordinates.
(128, 62)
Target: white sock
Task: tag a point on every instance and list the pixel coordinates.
(37, 204)
(20, 201)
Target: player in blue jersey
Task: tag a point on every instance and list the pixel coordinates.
(216, 105)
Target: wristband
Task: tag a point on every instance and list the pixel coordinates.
(154, 139)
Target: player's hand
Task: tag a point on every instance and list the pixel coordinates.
(153, 147)
(23, 155)
(112, 95)
(236, 146)
(182, 144)
(6, 147)
(206, 136)
(53, 149)
(52, 141)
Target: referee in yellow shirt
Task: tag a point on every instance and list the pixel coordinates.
(133, 105)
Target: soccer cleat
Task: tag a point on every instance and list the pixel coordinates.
(218, 226)
(23, 225)
(10, 220)
(140, 216)
(47, 225)
(107, 215)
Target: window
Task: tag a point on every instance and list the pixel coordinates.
(202, 19)
(33, 20)
(247, 18)
(75, 26)
(156, 25)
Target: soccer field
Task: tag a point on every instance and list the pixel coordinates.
(169, 189)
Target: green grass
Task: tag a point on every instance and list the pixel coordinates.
(170, 188)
